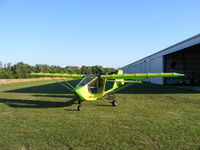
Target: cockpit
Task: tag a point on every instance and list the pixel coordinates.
(93, 82)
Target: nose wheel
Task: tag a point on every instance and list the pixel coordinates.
(114, 103)
(79, 108)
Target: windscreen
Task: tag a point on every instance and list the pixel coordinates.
(85, 80)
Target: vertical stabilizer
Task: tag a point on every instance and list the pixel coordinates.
(118, 82)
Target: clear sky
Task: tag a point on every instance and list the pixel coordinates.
(111, 33)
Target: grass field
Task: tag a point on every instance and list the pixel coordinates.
(41, 115)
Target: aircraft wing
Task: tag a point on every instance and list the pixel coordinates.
(73, 76)
(141, 75)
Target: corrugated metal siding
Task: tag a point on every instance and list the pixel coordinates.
(154, 62)
(157, 66)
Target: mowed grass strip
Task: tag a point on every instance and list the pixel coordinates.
(42, 115)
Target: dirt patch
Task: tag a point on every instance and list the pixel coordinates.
(6, 81)
(25, 148)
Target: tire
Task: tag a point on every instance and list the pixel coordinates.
(79, 108)
(114, 103)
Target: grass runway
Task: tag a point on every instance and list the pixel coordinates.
(40, 115)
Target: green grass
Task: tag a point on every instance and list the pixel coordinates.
(41, 115)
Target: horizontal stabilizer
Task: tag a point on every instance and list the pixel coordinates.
(125, 81)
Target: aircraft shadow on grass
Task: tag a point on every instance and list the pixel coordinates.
(145, 88)
(47, 90)
(148, 88)
(53, 88)
(21, 103)
(58, 96)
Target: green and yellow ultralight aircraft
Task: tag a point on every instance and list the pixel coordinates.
(93, 86)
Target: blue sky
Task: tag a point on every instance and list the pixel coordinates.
(111, 33)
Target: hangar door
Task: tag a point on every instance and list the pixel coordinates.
(185, 61)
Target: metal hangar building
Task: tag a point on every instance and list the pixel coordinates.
(183, 57)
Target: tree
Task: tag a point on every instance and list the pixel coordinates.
(6, 71)
(21, 70)
(1, 65)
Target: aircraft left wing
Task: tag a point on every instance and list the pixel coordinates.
(73, 76)
(141, 75)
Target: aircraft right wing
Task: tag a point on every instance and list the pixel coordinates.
(141, 75)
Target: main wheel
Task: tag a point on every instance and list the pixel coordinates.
(79, 108)
(114, 103)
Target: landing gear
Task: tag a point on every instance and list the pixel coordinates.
(114, 103)
(79, 102)
(112, 98)
(79, 108)
(76, 98)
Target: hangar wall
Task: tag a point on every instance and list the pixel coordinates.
(147, 65)
(156, 62)
(186, 61)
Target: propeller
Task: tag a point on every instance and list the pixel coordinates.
(101, 72)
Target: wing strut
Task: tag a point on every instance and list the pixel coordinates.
(123, 87)
(68, 83)
(69, 88)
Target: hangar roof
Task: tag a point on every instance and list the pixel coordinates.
(176, 47)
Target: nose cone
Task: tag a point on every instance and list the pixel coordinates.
(77, 90)
(178, 75)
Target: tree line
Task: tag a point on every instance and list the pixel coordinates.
(22, 70)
